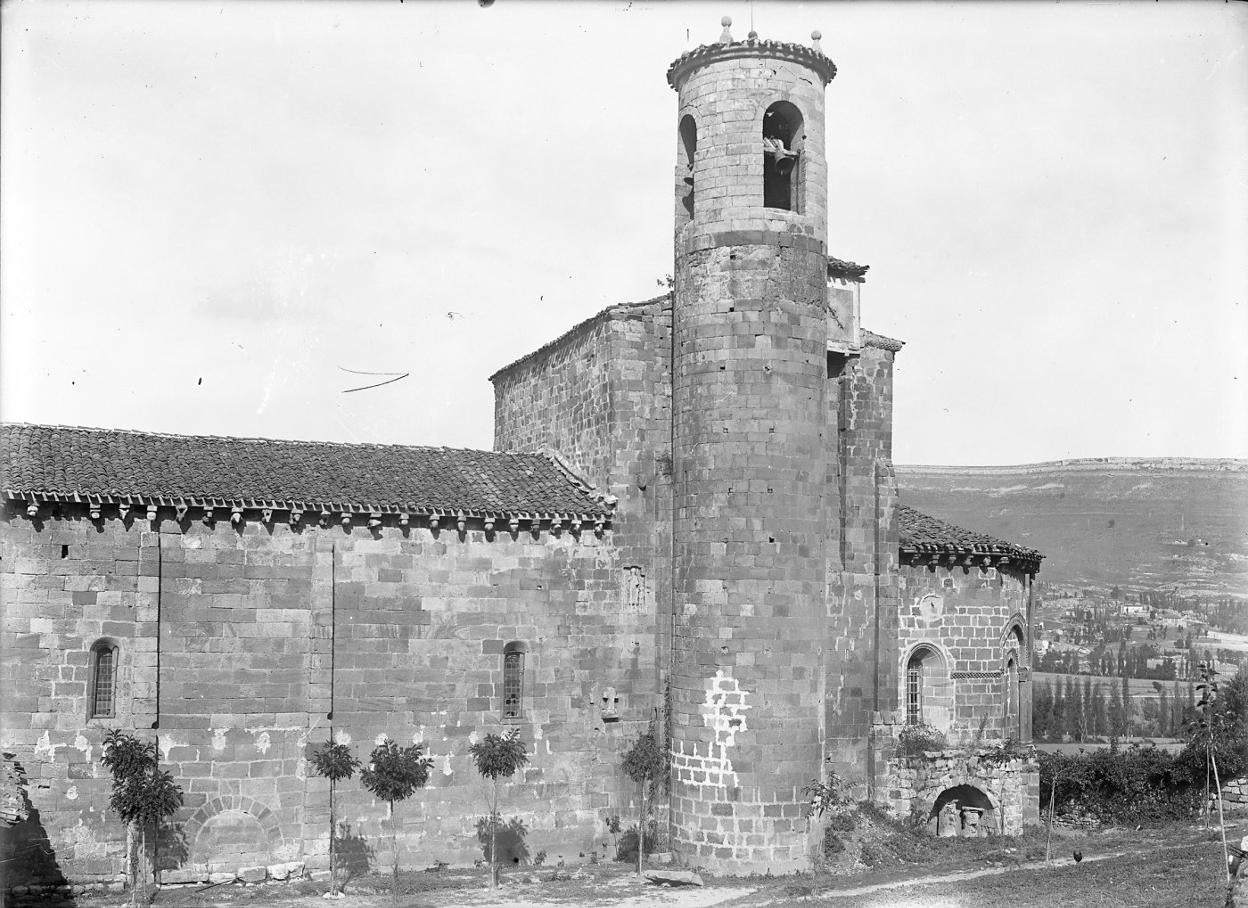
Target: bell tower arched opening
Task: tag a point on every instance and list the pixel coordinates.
(685, 154)
(782, 157)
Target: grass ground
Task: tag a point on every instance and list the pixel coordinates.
(1158, 866)
(1186, 876)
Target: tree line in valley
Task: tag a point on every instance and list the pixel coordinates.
(1080, 709)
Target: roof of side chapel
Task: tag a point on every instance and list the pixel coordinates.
(65, 462)
(923, 534)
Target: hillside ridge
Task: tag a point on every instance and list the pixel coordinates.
(1164, 524)
(1088, 464)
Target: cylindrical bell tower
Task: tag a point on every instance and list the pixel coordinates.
(749, 451)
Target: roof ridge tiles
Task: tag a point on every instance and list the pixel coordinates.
(71, 461)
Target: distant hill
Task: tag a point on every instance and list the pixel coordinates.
(1155, 524)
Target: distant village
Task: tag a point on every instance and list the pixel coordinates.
(1125, 664)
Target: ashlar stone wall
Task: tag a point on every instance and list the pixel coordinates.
(240, 646)
(861, 561)
(1006, 789)
(977, 618)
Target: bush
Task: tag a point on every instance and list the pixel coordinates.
(843, 822)
(626, 845)
(1006, 751)
(832, 844)
(917, 737)
(873, 854)
(1121, 786)
(826, 796)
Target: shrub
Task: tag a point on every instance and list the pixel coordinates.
(626, 846)
(915, 738)
(1006, 751)
(832, 844)
(873, 855)
(1118, 786)
(843, 822)
(825, 796)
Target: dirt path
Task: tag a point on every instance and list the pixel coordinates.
(1150, 848)
(622, 892)
(611, 888)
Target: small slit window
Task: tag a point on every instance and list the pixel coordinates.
(513, 681)
(103, 680)
(782, 157)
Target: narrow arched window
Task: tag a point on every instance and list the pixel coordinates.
(782, 157)
(1013, 717)
(103, 680)
(513, 680)
(686, 153)
(914, 690)
(928, 689)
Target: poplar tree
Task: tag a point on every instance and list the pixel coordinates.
(1116, 721)
(1099, 722)
(1057, 720)
(1125, 730)
(1042, 711)
(1085, 708)
(1074, 709)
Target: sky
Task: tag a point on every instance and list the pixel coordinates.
(209, 212)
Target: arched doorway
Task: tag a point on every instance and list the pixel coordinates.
(962, 811)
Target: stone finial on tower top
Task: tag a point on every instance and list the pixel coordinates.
(814, 41)
(753, 48)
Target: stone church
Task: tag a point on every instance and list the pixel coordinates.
(690, 518)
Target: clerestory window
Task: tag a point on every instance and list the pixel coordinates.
(513, 681)
(103, 691)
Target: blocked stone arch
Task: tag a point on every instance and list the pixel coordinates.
(968, 791)
(232, 830)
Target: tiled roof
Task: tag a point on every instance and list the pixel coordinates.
(70, 463)
(871, 339)
(924, 534)
(842, 270)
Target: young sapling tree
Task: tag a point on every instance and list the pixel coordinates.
(497, 756)
(644, 763)
(394, 774)
(1210, 731)
(335, 762)
(143, 795)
